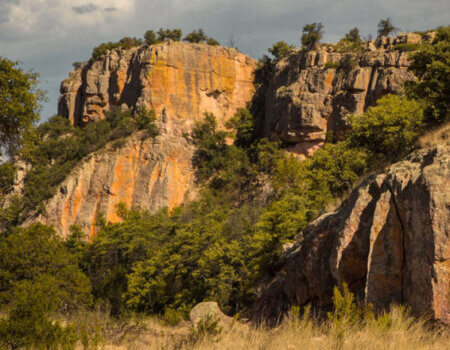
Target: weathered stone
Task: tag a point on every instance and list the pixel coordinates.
(185, 80)
(208, 310)
(301, 97)
(180, 82)
(389, 241)
(148, 173)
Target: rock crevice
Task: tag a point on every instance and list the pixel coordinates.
(389, 241)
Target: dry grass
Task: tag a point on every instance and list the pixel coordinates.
(395, 330)
(438, 136)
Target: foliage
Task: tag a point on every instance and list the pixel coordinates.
(60, 146)
(385, 27)
(347, 63)
(280, 50)
(19, 106)
(331, 65)
(211, 147)
(28, 254)
(431, 65)
(7, 174)
(28, 322)
(405, 47)
(199, 36)
(311, 35)
(207, 327)
(389, 128)
(350, 42)
(125, 43)
(39, 278)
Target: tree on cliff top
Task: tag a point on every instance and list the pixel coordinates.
(19, 106)
(199, 36)
(431, 64)
(311, 35)
(280, 50)
(385, 27)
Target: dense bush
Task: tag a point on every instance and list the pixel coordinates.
(280, 50)
(124, 43)
(389, 128)
(350, 42)
(39, 278)
(199, 36)
(311, 35)
(431, 65)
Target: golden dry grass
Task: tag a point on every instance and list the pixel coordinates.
(395, 330)
(438, 136)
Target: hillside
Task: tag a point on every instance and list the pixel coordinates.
(306, 192)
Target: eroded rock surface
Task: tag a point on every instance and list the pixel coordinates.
(389, 241)
(182, 81)
(309, 94)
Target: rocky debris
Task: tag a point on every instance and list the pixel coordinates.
(389, 241)
(309, 94)
(208, 310)
(186, 80)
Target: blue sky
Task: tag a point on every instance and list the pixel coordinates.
(49, 35)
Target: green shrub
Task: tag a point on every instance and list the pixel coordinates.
(389, 128)
(199, 36)
(280, 50)
(311, 35)
(350, 42)
(125, 43)
(385, 27)
(430, 64)
(405, 47)
(331, 65)
(7, 174)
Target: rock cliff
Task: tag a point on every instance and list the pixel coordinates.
(309, 94)
(180, 82)
(389, 241)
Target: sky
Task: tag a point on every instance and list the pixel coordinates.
(47, 36)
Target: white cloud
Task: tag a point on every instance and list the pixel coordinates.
(32, 18)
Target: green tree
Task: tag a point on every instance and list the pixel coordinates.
(150, 37)
(385, 27)
(431, 65)
(311, 35)
(169, 34)
(351, 41)
(19, 106)
(243, 123)
(210, 155)
(30, 253)
(389, 128)
(196, 36)
(280, 50)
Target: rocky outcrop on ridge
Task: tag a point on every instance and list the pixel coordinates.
(309, 94)
(180, 82)
(389, 241)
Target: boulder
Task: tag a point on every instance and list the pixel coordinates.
(389, 241)
(208, 310)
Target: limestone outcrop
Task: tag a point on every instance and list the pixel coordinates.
(389, 241)
(182, 81)
(149, 173)
(309, 94)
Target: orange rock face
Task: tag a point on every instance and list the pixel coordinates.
(180, 82)
(147, 173)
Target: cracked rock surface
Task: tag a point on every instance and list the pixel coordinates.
(389, 241)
